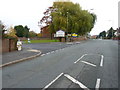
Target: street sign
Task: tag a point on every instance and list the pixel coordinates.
(60, 33)
(74, 35)
(69, 35)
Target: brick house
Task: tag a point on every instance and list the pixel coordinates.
(45, 32)
(94, 36)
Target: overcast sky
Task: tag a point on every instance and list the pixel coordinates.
(29, 12)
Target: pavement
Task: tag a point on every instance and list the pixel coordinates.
(18, 56)
(30, 51)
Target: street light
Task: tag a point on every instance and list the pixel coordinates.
(91, 10)
(67, 27)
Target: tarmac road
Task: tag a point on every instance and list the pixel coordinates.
(48, 47)
(93, 64)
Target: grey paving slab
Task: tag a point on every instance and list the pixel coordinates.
(16, 55)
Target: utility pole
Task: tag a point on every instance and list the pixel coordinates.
(67, 27)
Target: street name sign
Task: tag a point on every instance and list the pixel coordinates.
(60, 33)
(74, 35)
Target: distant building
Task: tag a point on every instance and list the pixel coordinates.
(45, 32)
(94, 36)
(118, 31)
(117, 34)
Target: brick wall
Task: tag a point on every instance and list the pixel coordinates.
(79, 38)
(45, 32)
(5, 45)
(8, 45)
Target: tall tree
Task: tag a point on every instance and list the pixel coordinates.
(68, 17)
(26, 31)
(110, 32)
(32, 34)
(2, 30)
(21, 31)
(11, 32)
(102, 34)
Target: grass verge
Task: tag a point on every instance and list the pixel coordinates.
(40, 41)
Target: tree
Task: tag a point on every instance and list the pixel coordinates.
(22, 31)
(68, 17)
(110, 33)
(26, 31)
(19, 30)
(102, 34)
(11, 33)
(2, 30)
(32, 34)
(39, 35)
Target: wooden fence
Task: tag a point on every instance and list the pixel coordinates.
(8, 45)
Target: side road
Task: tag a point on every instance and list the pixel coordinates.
(18, 56)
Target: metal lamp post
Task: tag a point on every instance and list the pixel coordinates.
(67, 27)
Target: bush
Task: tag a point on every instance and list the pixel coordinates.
(10, 37)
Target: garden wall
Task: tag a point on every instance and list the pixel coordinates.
(8, 45)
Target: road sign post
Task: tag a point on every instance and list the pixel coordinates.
(60, 34)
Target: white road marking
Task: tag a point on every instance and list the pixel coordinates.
(76, 81)
(56, 50)
(60, 49)
(42, 54)
(89, 63)
(101, 63)
(52, 51)
(48, 53)
(52, 81)
(80, 58)
(33, 50)
(97, 84)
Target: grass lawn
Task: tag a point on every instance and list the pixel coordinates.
(40, 41)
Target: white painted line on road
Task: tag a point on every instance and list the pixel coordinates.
(101, 63)
(42, 54)
(56, 50)
(48, 53)
(97, 84)
(89, 63)
(52, 81)
(80, 58)
(76, 81)
(33, 50)
(52, 51)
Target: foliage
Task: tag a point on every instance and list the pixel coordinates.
(32, 34)
(11, 32)
(26, 31)
(21, 31)
(39, 35)
(110, 32)
(68, 17)
(2, 30)
(102, 34)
